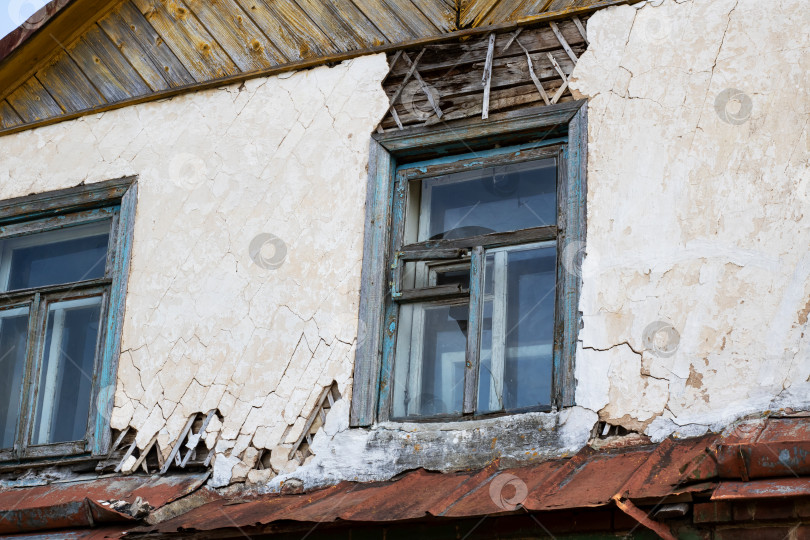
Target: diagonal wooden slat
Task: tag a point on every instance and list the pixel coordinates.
(346, 25)
(385, 19)
(144, 49)
(533, 75)
(245, 44)
(68, 85)
(293, 47)
(441, 14)
(8, 116)
(473, 11)
(566, 47)
(201, 55)
(106, 67)
(311, 38)
(32, 102)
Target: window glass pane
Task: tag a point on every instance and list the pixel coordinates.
(13, 344)
(495, 199)
(431, 345)
(66, 378)
(517, 333)
(54, 257)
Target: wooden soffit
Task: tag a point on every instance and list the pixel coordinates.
(94, 55)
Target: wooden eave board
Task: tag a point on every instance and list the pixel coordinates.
(96, 55)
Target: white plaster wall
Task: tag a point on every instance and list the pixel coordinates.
(698, 218)
(698, 212)
(206, 327)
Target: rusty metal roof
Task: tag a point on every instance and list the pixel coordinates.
(766, 458)
(81, 504)
(726, 466)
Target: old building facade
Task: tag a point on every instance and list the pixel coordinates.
(290, 246)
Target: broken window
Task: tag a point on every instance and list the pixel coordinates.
(470, 290)
(57, 279)
(475, 280)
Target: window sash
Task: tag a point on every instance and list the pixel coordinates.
(38, 299)
(470, 250)
(566, 122)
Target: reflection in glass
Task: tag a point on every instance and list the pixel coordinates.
(495, 199)
(517, 333)
(13, 344)
(66, 377)
(430, 360)
(51, 258)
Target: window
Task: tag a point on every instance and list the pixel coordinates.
(63, 261)
(469, 225)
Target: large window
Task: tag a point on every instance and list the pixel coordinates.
(477, 311)
(62, 269)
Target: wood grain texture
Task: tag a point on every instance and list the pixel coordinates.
(106, 67)
(32, 102)
(153, 49)
(236, 32)
(144, 49)
(202, 56)
(8, 116)
(344, 23)
(68, 85)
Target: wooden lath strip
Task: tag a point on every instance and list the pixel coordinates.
(581, 28)
(533, 75)
(564, 77)
(565, 45)
(423, 86)
(487, 79)
(327, 395)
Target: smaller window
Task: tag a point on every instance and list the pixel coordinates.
(58, 276)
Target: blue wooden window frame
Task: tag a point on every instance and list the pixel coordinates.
(566, 124)
(115, 200)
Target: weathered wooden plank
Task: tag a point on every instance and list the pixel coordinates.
(472, 10)
(505, 72)
(32, 102)
(68, 85)
(470, 105)
(441, 14)
(302, 26)
(8, 116)
(443, 56)
(413, 18)
(106, 67)
(346, 25)
(386, 20)
(201, 55)
(244, 42)
(144, 48)
(511, 11)
(291, 45)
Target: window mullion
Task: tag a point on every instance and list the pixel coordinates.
(499, 305)
(30, 376)
(475, 319)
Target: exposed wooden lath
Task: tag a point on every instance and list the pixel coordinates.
(139, 50)
(491, 73)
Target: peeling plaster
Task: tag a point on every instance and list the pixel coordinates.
(694, 216)
(695, 221)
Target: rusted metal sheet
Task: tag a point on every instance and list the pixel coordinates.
(762, 489)
(81, 504)
(765, 449)
(672, 466)
(17, 37)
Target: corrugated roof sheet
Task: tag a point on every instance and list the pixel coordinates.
(588, 479)
(731, 466)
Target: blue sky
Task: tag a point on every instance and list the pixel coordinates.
(14, 12)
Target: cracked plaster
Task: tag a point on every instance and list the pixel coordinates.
(692, 220)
